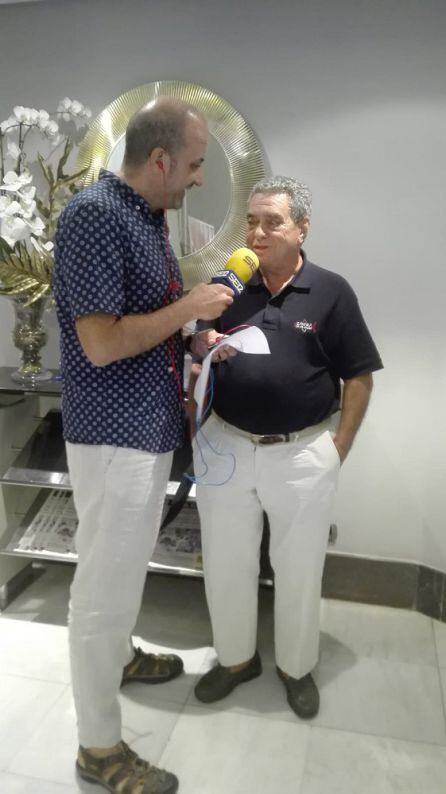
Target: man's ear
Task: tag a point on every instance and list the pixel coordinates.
(304, 225)
(159, 160)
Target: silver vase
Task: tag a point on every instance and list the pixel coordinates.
(29, 335)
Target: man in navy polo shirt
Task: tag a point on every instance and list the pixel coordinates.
(118, 291)
(282, 418)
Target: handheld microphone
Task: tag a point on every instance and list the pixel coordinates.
(241, 265)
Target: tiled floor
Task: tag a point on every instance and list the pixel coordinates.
(381, 728)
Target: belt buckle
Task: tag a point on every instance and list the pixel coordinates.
(270, 439)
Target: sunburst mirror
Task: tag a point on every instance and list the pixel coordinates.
(212, 223)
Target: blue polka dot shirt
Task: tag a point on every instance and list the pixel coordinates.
(111, 256)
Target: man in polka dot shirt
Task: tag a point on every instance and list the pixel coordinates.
(121, 308)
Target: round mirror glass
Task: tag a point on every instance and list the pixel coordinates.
(212, 223)
(204, 209)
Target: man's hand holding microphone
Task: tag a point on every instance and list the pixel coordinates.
(225, 286)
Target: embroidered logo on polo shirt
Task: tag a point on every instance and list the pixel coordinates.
(304, 326)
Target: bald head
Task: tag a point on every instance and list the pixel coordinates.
(161, 124)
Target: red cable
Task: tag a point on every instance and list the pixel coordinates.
(173, 288)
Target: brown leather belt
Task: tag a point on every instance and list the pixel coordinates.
(278, 438)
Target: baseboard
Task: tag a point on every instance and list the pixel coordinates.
(387, 583)
(394, 584)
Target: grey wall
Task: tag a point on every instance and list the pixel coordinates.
(350, 97)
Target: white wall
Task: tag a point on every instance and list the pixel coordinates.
(348, 95)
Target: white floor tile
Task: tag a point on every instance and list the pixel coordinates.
(50, 753)
(381, 722)
(440, 639)
(34, 650)
(24, 702)
(46, 599)
(216, 753)
(15, 784)
(340, 763)
(377, 632)
(391, 699)
(367, 695)
(174, 612)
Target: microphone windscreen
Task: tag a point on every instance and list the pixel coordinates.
(244, 263)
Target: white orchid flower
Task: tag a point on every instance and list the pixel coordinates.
(64, 104)
(9, 124)
(52, 129)
(20, 113)
(64, 107)
(26, 115)
(14, 208)
(13, 150)
(14, 229)
(76, 107)
(37, 226)
(5, 201)
(20, 217)
(48, 126)
(28, 208)
(33, 115)
(28, 192)
(15, 182)
(72, 107)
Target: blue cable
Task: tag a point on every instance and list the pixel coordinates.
(198, 479)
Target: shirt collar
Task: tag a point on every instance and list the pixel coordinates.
(301, 281)
(130, 196)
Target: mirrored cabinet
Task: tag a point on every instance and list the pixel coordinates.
(37, 515)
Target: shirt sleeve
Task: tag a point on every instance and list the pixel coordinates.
(93, 262)
(346, 338)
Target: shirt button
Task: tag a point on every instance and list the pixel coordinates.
(137, 207)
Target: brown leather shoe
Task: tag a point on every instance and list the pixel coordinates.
(302, 694)
(152, 668)
(219, 682)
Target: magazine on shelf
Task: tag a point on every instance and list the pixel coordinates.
(180, 542)
(53, 528)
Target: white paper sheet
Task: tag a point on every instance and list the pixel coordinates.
(248, 340)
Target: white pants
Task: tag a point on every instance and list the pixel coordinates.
(295, 484)
(119, 495)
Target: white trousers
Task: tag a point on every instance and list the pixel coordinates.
(119, 495)
(295, 484)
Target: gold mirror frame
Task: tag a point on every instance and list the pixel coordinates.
(229, 128)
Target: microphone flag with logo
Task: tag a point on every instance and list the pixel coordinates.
(241, 265)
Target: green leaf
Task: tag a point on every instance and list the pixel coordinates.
(66, 153)
(43, 209)
(73, 177)
(47, 170)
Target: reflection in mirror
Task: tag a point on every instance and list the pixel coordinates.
(212, 224)
(204, 210)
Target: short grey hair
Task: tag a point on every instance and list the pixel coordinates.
(299, 195)
(160, 123)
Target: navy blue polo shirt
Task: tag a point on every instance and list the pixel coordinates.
(317, 337)
(111, 256)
